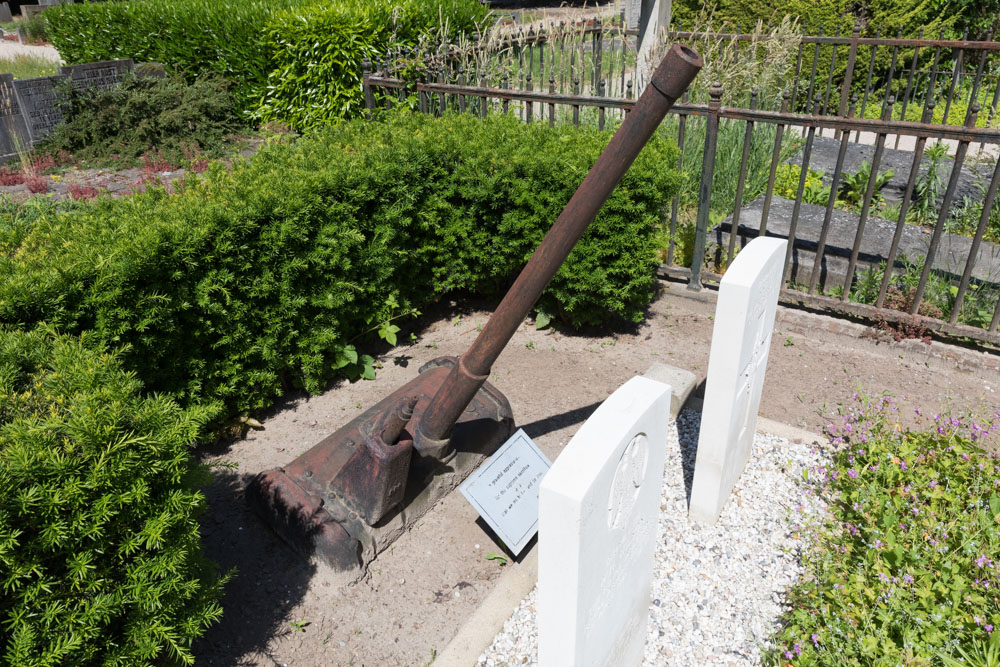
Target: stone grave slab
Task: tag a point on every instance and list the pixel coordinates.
(824, 158)
(598, 516)
(875, 243)
(13, 129)
(5, 15)
(104, 74)
(741, 339)
(40, 100)
(27, 11)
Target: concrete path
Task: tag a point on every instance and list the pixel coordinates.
(10, 49)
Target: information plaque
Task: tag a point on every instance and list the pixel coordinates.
(504, 490)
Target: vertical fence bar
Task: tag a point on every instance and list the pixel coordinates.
(909, 84)
(681, 121)
(552, 105)
(949, 194)
(442, 101)
(600, 110)
(955, 74)
(852, 56)
(829, 79)
(866, 204)
(738, 201)
(904, 207)
(812, 77)
(933, 76)
(366, 72)
(484, 101)
(984, 220)
(892, 72)
(461, 82)
(868, 83)
(993, 104)
(775, 158)
(576, 107)
(705, 191)
(845, 140)
(797, 206)
(422, 92)
(798, 69)
(505, 84)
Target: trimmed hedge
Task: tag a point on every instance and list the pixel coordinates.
(317, 51)
(299, 61)
(222, 37)
(100, 555)
(256, 279)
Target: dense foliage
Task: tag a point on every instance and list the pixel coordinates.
(954, 16)
(146, 114)
(317, 51)
(907, 568)
(257, 278)
(222, 37)
(100, 556)
(284, 54)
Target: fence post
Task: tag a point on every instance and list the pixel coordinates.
(705, 192)
(366, 73)
(852, 55)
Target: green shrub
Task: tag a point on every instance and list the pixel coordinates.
(146, 114)
(258, 278)
(906, 568)
(222, 37)
(285, 54)
(100, 556)
(317, 52)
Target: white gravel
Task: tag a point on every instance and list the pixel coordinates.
(718, 590)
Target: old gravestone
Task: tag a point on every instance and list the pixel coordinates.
(14, 137)
(27, 11)
(41, 103)
(5, 15)
(648, 17)
(744, 320)
(103, 75)
(598, 511)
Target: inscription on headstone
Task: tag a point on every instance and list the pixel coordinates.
(504, 490)
(14, 137)
(40, 100)
(598, 512)
(741, 339)
(103, 75)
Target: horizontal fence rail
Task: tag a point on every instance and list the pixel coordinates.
(907, 238)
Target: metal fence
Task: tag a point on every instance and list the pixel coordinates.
(851, 257)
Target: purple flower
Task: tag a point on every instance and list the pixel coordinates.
(907, 579)
(878, 544)
(815, 638)
(788, 654)
(933, 484)
(965, 456)
(988, 628)
(902, 465)
(861, 452)
(853, 473)
(798, 647)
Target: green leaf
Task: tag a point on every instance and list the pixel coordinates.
(542, 319)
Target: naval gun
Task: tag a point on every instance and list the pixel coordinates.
(356, 490)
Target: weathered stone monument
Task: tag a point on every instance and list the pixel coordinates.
(741, 339)
(103, 75)
(598, 516)
(41, 103)
(14, 137)
(5, 15)
(27, 11)
(648, 17)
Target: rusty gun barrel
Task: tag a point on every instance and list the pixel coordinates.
(669, 81)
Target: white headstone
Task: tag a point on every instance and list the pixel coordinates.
(741, 339)
(598, 511)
